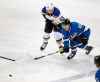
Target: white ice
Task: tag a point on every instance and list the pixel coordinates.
(21, 30)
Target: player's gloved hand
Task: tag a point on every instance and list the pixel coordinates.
(51, 18)
(61, 49)
(56, 21)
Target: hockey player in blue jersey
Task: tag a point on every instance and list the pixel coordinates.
(50, 14)
(74, 35)
(97, 63)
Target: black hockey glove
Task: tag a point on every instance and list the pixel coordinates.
(62, 50)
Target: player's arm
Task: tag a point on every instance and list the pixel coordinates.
(45, 14)
(54, 18)
(57, 16)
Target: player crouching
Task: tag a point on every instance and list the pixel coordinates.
(74, 35)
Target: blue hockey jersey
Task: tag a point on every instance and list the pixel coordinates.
(97, 76)
(56, 11)
(75, 29)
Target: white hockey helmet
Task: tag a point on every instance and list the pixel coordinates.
(50, 6)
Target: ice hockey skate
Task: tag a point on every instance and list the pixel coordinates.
(88, 49)
(71, 55)
(43, 46)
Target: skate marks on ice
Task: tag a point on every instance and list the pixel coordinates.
(76, 77)
(81, 63)
(84, 67)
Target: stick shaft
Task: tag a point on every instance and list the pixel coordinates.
(7, 58)
(46, 55)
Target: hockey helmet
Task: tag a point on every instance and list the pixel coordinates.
(97, 59)
(66, 24)
(67, 21)
(50, 6)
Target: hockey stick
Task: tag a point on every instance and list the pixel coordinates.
(7, 58)
(46, 55)
(36, 58)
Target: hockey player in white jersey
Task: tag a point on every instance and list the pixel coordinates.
(50, 14)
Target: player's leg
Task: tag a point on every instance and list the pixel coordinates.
(85, 36)
(48, 29)
(73, 53)
(46, 37)
(73, 46)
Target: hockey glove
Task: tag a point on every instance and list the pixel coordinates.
(61, 49)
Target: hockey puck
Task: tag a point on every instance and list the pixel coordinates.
(10, 75)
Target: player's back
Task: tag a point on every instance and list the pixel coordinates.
(63, 32)
(77, 28)
(74, 27)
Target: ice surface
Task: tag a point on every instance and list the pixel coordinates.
(21, 30)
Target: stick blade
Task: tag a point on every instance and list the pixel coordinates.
(38, 57)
